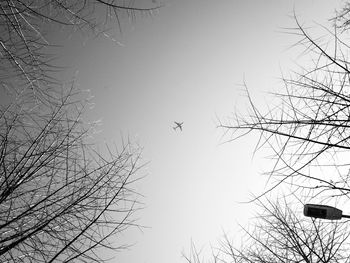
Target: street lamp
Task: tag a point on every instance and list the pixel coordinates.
(324, 212)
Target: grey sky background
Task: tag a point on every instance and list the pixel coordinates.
(186, 63)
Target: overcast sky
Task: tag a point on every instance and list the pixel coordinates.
(186, 63)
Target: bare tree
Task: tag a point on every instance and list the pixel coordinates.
(281, 236)
(308, 129)
(26, 55)
(342, 17)
(60, 199)
(308, 134)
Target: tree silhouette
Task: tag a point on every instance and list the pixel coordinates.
(279, 235)
(27, 56)
(308, 128)
(308, 133)
(60, 199)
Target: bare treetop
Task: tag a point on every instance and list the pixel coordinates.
(26, 56)
(308, 130)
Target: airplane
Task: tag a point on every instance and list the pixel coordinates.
(178, 125)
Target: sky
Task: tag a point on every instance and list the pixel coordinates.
(187, 63)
